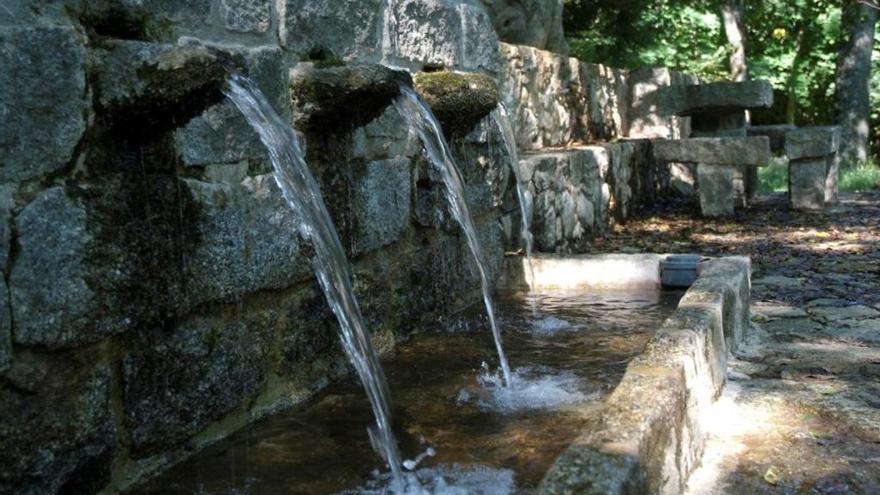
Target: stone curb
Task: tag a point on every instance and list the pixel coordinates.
(648, 437)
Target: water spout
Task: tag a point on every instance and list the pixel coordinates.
(502, 120)
(301, 192)
(420, 119)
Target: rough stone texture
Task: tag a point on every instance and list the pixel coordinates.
(248, 240)
(775, 133)
(648, 436)
(812, 142)
(5, 328)
(6, 204)
(334, 100)
(57, 430)
(382, 200)
(246, 16)
(159, 86)
(644, 116)
(608, 101)
(716, 97)
(447, 33)
(716, 189)
(715, 151)
(535, 23)
(42, 99)
(50, 296)
(176, 384)
(349, 29)
(220, 135)
(806, 183)
(458, 100)
(555, 100)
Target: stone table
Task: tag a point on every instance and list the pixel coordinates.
(718, 160)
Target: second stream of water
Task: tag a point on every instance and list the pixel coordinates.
(487, 438)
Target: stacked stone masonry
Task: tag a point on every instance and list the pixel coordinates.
(156, 293)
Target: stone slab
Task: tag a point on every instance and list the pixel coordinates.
(806, 183)
(650, 434)
(42, 100)
(715, 151)
(716, 189)
(812, 142)
(716, 97)
(776, 134)
(605, 271)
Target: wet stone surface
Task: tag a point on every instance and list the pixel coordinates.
(801, 413)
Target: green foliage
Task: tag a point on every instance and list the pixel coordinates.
(686, 35)
(791, 43)
(864, 177)
(774, 177)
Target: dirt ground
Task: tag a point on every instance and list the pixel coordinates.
(801, 413)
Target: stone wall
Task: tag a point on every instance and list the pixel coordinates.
(156, 294)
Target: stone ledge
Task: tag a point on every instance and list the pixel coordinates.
(714, 151)
(812, 142)
(648, 437)
(716, 97)
(775, 133)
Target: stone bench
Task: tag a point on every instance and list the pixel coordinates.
(776, 133)
(812, 168)
(719, 110)
(720, 161)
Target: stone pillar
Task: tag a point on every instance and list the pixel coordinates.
(812, 155)
(716, 188)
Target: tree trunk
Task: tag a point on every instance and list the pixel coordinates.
(732, 13)
(852, 101)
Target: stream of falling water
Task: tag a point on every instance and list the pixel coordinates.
(502, 120)
(420, 119)
(332, 269)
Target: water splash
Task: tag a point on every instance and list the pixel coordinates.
(502, 119)
(452, 479)
(550, 325)
(421, 120)
(533, 388)
(302, 194)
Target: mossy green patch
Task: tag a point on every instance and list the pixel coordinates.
(458, 100)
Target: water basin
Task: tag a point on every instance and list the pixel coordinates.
(566, 359)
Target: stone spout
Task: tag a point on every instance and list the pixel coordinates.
(144, 87)
(458, 100)
(337, 99)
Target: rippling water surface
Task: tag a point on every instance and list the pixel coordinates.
(487, 438)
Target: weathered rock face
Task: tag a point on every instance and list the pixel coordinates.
(337, 99)
(645, 103)
(578, 192)
(557, 100)
(717, 151)
(458, 100)
(57, 429)
(536, 23)
(43, 99)
(406, 33)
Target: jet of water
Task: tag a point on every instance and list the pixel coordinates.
(502, 120)
(302, 194)
(416, 112)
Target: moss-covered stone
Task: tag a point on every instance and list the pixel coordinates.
(333, 100)
(458, 100)
(149, 87)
